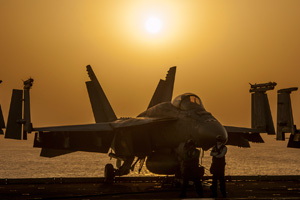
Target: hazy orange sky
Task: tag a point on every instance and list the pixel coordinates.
(217, 46)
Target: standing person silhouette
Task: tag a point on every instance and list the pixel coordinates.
(218, 166)
(189, 167)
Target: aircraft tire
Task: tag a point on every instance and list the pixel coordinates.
(109, 173)
(118, 163)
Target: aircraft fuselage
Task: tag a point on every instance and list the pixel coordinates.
(196, 124)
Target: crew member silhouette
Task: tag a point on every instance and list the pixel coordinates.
(218, 166)
(189, 167)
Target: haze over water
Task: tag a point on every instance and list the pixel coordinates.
(18, 159)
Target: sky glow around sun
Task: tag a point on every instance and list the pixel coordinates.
(153, 25)
(228, 43)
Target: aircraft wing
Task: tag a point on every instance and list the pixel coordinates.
(240, 136)
(106, 126)
(88, 137)
(85, 127)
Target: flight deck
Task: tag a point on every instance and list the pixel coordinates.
(158, 187)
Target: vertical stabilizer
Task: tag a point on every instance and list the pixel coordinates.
(2, 123)
(285, 121)
(261, 118)
(164, 89)
(102, 109)
(14, 125)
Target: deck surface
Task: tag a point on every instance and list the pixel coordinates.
(238, 187)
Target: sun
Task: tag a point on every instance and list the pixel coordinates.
(153, 25)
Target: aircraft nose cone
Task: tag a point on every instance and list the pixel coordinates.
(209, 133)
(221, 132)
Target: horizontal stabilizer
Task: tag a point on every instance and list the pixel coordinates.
(102, 109)
(50, 153)
(14, 127)
(164, 89)
(75, 141)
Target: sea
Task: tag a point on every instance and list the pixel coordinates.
(18, 159)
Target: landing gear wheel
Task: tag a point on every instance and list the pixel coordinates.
(118, 163)
(109, 173)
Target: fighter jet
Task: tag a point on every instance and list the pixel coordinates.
(153, 137)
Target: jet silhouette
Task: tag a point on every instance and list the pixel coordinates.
(155, 136)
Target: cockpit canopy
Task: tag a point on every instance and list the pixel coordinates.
(187, 101)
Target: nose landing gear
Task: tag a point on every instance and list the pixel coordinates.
(124, 169)
(109, 173)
